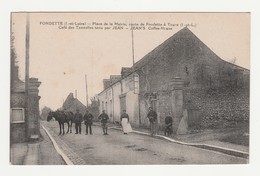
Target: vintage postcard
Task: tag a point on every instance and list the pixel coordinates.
(129, 88)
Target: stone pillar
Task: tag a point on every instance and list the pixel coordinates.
(183, 125)
(33, 116)
(177, 101)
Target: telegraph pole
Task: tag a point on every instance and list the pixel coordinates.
(27, 52)
(27, 49)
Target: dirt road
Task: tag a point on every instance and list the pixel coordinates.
(117, 148)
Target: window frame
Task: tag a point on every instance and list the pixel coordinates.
(23, 115)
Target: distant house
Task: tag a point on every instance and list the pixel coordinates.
(72, 104)
(212, 92)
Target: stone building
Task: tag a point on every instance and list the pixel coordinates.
(185, 78)
(24, 120)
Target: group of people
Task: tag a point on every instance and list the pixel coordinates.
(103, 117)
(124, 120)
(88, 120)
(152, 116)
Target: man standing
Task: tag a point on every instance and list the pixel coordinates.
(78, 119)
(168, 126)
(152, 116)
(104, 117)
(88, 117)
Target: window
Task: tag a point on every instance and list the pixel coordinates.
(136, 83)
(17, 115)
(103, 108)
(186, 70)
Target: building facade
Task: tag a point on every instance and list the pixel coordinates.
(121, 95)
(25, 114)
(184, 78)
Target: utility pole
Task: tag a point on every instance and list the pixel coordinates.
(27, 49)
(27, 53)
(31, 86)
(86, 90)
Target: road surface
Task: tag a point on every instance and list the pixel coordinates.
(48, 154)
(132, 149)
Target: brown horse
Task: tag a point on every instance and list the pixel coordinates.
(62, 117)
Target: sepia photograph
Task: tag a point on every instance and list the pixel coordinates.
(129, 88)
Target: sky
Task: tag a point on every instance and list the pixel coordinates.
(61, 57)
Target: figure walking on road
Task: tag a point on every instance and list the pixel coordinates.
(78, 120)
(125, 122)
(88, 117)
(104, 118)
(152, 116)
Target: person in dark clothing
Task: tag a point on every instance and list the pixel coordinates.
(104, 118)
(78, 120)
(88, 117)
(152, 116)
(124, 115)
(168, 126)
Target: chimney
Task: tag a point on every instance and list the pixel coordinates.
(114, 78)
(125, 71)
(106, 83)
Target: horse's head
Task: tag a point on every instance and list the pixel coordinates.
(50, 116)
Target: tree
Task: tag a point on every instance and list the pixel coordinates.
(13, 57)
(93, 108)
(44, 113)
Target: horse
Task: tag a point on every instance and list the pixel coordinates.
(62, 117)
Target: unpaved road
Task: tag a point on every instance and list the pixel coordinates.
(116, 148)
(48, 154)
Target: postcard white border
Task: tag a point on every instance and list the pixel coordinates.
(131, 6)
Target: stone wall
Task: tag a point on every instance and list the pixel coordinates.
(218, 108)
(33, 117)
(18, 130)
